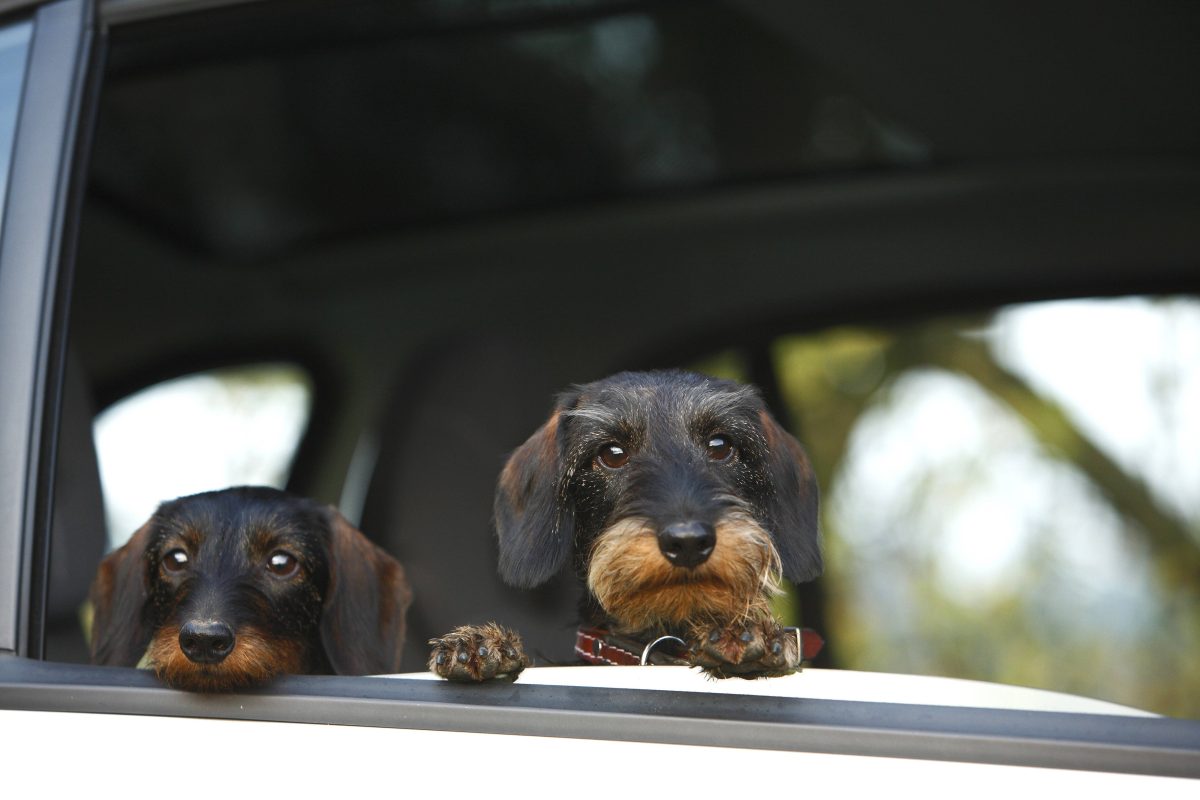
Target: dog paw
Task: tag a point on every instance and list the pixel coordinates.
(475, 653)
(753, 649)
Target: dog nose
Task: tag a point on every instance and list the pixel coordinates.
(206, 642)
(687, 544)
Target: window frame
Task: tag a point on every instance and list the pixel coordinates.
(35, 264)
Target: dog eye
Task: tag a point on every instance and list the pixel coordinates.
(282, 564)
(720, 447)
(175, 560)
(613, 456)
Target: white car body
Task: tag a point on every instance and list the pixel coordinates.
(188, 756)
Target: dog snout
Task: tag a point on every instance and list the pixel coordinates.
(206, 642)
(687, 544)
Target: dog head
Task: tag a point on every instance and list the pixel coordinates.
(679, 494)
(228, 589)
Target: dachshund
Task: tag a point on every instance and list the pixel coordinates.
(680, 503)
(225, 590)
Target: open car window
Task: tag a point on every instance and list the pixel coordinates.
(971, 300)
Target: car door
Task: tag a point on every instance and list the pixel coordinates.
(329, 734)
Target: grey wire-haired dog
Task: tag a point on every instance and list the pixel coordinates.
(679, 502)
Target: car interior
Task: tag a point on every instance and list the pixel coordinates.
(442, 214)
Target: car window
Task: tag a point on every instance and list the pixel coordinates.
(456, 218)
(1010, 496)
(450, 211)
(207, 430)
(14, 47)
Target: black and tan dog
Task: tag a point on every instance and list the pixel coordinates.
(680, 503)
(226, 590)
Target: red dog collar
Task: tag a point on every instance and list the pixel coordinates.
(598, 646)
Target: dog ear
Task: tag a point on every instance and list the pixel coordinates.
(534, 529)
(794, 509)
(362, 624)
(118, 595)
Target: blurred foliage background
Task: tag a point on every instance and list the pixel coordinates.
(237, 425)
(1012, 496)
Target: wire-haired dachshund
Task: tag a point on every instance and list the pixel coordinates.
(680, 503)
(226, 590)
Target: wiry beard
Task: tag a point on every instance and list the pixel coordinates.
(640, 590)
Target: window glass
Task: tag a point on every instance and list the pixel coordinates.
(200, 432)
(14, 46)
(503, 118)
(1015, 496)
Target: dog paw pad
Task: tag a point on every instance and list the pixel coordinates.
(476, 653)
(759, 649)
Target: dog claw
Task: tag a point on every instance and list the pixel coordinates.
(761, 649)
(476, 653)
